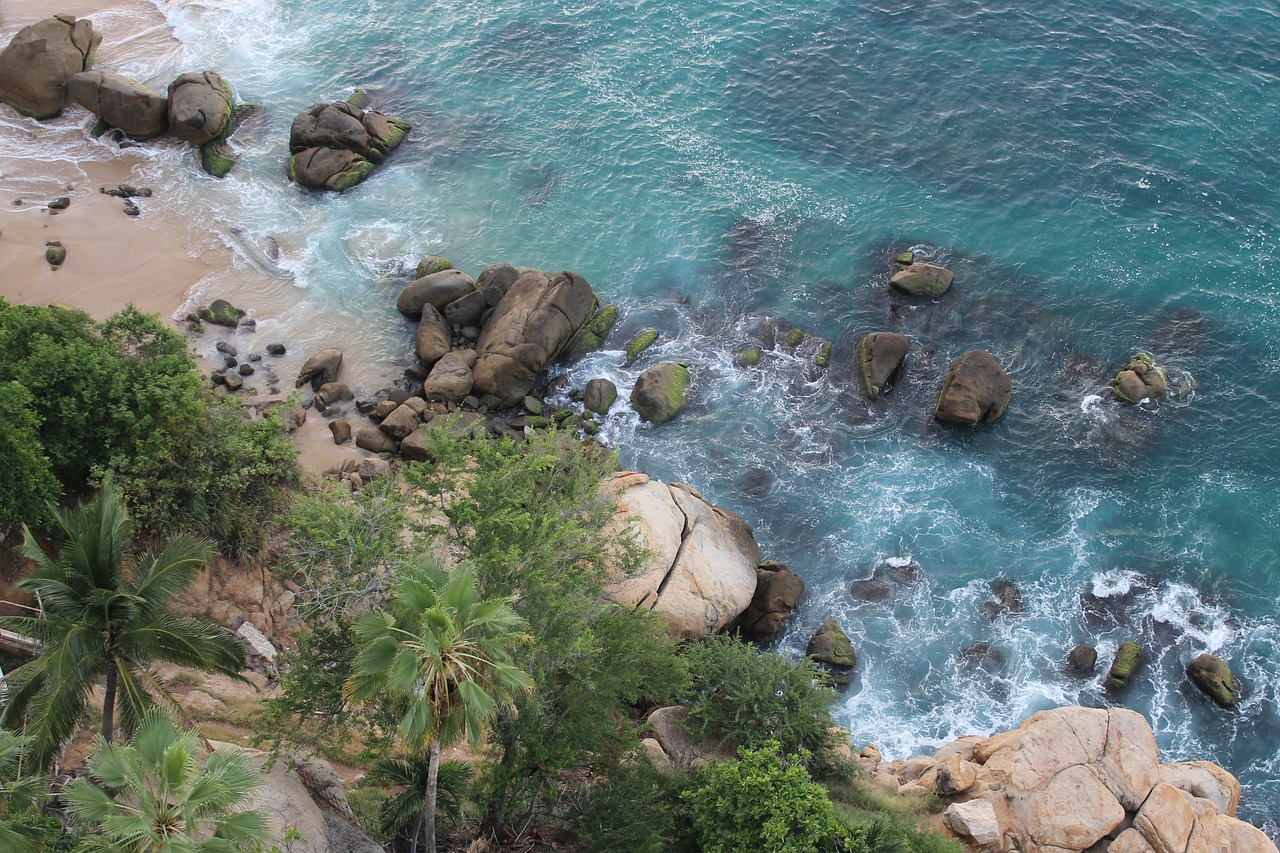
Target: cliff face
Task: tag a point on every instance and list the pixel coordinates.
(1075, 779)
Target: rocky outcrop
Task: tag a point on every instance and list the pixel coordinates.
(39, 61)
(659, 392)
(1140, 380)
(920, 279)
(336, 145)
(1074, 779)
(536, 318)
(880, 358)
(701, 571)
(778, 591)
(975, 389)
(200, 106)
(121, 102)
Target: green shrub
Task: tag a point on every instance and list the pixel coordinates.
(747, 698)
(26, 479)
(763, 801)
(637, 809)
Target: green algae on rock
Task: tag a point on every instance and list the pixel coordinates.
(1140, 379)
(926, 280)
(643, 339)
(795, 337)
(659, 394)
(593, 332)
(431, 264)
(1212, 675)
(1125, 666)
(880, 359)
(749, 357)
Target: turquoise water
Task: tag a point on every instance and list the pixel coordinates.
(1100, 176)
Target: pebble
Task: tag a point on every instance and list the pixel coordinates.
(60, 203)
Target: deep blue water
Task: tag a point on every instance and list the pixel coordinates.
(1101, 177)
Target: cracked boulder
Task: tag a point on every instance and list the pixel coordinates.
(536, 318)
(336, 145)
(40, 60)
(701, 572)
(975, 389)
(200, 106)
(121, 102)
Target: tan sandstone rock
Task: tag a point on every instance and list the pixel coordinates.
(975, 819)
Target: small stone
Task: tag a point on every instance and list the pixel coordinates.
(255, 356)
(131, 209)
(60, 203)
(225, 347)
(341, 431)
(245, 370)
(275, 349)
(229, 360)
(248, 324)
(1212, 675)
(905, 259)
(795, 337)
(55, 253)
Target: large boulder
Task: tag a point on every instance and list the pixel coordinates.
(343, 125)
(328, 169)
(659, 392)
(1212, 675)
(599, 396)
(975, 389)
(200, 106)
(121, 102)
(927, 280)
(321, 368)
(880, 357)
(975, 819)
(432, 340)
(450, 380)
(778, 591)
(533, 322)
(437, 290)
(701, 568)
(831, 648)
(671, 729)
(37, 64)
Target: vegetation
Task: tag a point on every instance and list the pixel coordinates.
(21, 794)
(400, 814)
(441, 657)
(103, 616)
(154, 795)
(80, 399)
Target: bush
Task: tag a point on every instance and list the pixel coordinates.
(26, 479)
(638, 809)
(748, 698)
(763, 801)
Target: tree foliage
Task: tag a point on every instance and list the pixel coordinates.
(21, 794)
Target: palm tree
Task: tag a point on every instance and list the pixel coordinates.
(153, 795)
(401, 814)
(441, 659)
(19, 791)
(103, 615)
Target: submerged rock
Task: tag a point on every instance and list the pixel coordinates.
(659, 393)
(831, 648)
(1007, 598)
(643, 339)
(975, 389)
(1082, 660)
(39, 61)
(880, 358)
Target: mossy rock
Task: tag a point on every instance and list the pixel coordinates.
(599, 396)
(1212, 675)
(749, 357)
(55, 253)
(795, 337)
(1140, 379)
(217, 159)
(221, 313)
(1127, 663)
(593, 332)
(644, 339)
(355, 175)
(590, 427)
(905, 259)
(659, 394)
(823, 358)
(431, 264)
(359, 99)
(532, 405)
(831, 645)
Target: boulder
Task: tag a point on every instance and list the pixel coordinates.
(55, 253)
(701, 568)
(333, 392)
(466, 311)
(831, 645)
(671, 730)
(259, 651)
(432, 340)
(1082, 660)
(778, 590)
(221, 313)
(200, 106)
(39, 61)
(1006, 598)
(975, 389)
(920, 279)
(599, 396)
(437, 290)
(955, 775)
(1140, 380)
(330, 125)
(341, 431)
(121, 102)
(659, 392)
(430, 264)
(375, 441)
(450, 380)
(880, 358)
(400, 423)
(1205, 780)
(1124, 666)
(320, 369)
(328, 169)
(1212, 675)
(975, 819)
(530, 326)
(496, 280)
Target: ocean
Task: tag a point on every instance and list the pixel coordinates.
(1100, 176)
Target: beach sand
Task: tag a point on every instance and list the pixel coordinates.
(153, 261)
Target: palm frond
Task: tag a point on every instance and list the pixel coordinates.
(168, 570)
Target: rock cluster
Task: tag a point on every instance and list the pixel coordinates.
(701, 571)
(1074, 779)
(1140, 380)
(336, 145)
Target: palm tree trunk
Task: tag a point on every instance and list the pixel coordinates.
(417, 834)
(429, 807)
(109, 704)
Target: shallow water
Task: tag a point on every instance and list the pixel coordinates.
(1100, 180)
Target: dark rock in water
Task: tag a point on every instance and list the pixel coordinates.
(925, 280)
(432, 341)
(1007, 599)
(218, 159)
(901, 571)
(643, 339)
(984, 656)
(39, 61)
(1140, 380)
(246, 370)
(659, 392)
(55, 253)
(226, 348)
(746, 358)
(341, 431)
(229, 360)
(599, 396)
(328, 169)
(437, 290)
(880, 358)
(221, 313)
(1212, 675)
(415, 373)
(200, 106)
(275, 349)
(131, 209)
(831, 647)
(874, 588)
(532, 324)
(975, 389)
(398, 396)
(320, 369)
(121, 102)
(593, 332)
(1082, 660)
(1127, 663)
(778, 590)
(344, 126)
(333, 392)
(756, 482)
(59, 203)
(1104, 609)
